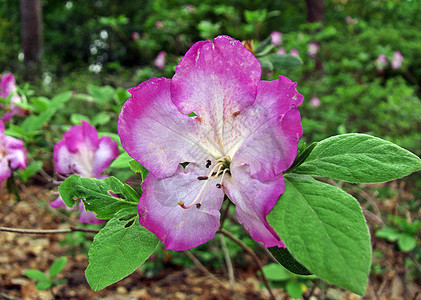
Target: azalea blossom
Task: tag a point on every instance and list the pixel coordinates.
(397, 60)
(315, 102)
(12, 154)
(8, 86)
(236, 133)
(313, 48)
(160, 60)
(135, 36)
(381, 63)
(276, 38)
(82, 152)
(351, 21)
(294, 52)
(281, 51)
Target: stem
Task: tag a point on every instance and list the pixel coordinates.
(47, 231)
(202, 267)
(229, 263)
(252, 254)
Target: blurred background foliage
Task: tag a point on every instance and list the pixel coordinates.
(107, 42)
(93, 51)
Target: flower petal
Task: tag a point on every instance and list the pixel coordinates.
(269, 130)
(216, 79)
(5, 171)
(253, 200)
(58, 203)
(8, 85)
(78, 135)
(107, 151)
(178, 228)
(88, 217)
(155, 133)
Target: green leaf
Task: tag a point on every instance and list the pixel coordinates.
(77, 118)
(101, 119)
(57, 266)
(101, 95)
(138, 168)
(324, 229)
(288, 261)
(122, 161)
(31, 169)
(117, 251)
(294, 289)
(275, 272)
(284, 61)
(96, 196)
(35, 274)
(359, 158)
(388, 233)
(406, 242)
(43, 285)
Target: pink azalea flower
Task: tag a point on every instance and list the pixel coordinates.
(82, 152)
(243, 136)
(281, 51)
(8, 86)
(313, 48)
(351, 21)
(276, 38)
(159, 24)
(381, 63)
(135, 36)
(12, 154)
(190, 8)
(160, 60)
(397, 60)
(294, 52)
(315, 102)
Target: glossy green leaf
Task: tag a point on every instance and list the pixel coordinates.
(288, 261)
(139, 169)
(96, 196)
(117, 251)
(324, 229)
(359, 158)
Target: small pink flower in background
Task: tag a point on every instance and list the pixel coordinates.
(159, 24)
(82, 152)
(397, 60)
(235, 112)
(160, 60)
(381, 63)
(294, 52)
(351, 21)
(190, 8)
(135, 36)
(281, 51)
(12, 154)
(276, 38)
(8, 86)
(313, 48)
(315, 102)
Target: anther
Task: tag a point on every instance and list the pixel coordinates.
(198, 205)
(218, 185)
(208, 163)
(203, 177)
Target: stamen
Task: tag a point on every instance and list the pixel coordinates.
(203, 177)
(218, 185)
(222, 177)
(208, 163)
(181, 203)
(198, 205)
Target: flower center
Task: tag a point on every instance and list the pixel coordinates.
(219, 169)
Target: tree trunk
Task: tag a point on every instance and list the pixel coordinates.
(31, 34)
(314, 10)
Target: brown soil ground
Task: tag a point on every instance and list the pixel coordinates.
(19, 252)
